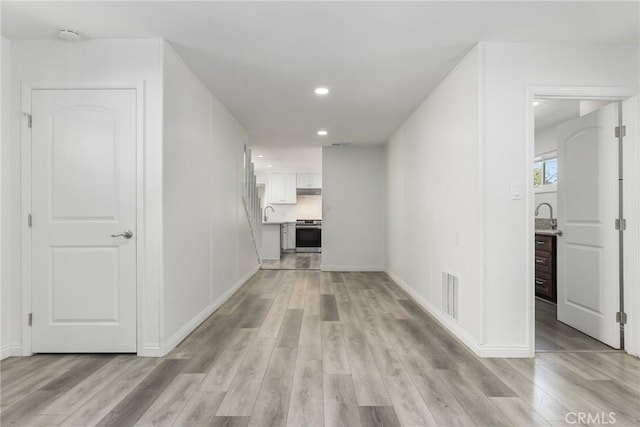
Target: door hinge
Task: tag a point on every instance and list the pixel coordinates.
(29, 220)
(30, 319)
(620, 131)
(621, 317)
(29, 119)
(621, 224)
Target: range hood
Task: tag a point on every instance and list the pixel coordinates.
(309, 191)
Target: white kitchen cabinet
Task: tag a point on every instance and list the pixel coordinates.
(291, 235)
(281, 188)
(283, 237)
(309, 180)
(270, 248)
(288, 236)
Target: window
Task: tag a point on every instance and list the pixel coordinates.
(545, 172)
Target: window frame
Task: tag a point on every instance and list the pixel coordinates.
(545, 188)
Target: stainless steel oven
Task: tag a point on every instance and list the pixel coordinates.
(308, 235)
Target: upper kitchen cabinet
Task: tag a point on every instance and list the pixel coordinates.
(309, 180)
(281, 188)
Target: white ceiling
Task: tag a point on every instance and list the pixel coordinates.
(380, 59)
(552, 112)
(286, 159)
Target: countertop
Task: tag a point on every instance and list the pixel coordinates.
(279, 222)
(548, 232)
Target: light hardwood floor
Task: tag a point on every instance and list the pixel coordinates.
(552, 335)
(294, 261)
(305, 348)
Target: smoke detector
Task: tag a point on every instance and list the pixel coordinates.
(68, 35)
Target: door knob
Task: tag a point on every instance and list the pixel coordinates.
(127, 234)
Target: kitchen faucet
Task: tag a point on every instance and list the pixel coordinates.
(265, 212)
(554, 222)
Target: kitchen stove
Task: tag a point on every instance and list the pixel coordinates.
(314, 222)
(308, 235)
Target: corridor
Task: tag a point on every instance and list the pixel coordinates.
(310, 348)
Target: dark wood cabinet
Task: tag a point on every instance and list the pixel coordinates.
(545, 262)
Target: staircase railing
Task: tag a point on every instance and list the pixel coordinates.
(251, 201)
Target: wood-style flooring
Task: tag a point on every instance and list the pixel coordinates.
(553, 335)
(308, 348)
(294, 261)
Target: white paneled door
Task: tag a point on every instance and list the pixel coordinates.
(84, 220)
(588, 267)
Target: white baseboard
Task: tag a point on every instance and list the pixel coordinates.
(10, 350)
(150, 350)
(447, 322)
(501, 351)
(173, 341)
(350, 268)
(482, 350)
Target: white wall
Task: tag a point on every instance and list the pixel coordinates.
(589, 105)
(205, 224)
(451, 168)
(631, 118)
(232, 248)
(9, 340)
(202, 248)
(353, 208)
(88, 62)
(546, 141)
(434, 208)
(187, 194)
(509, 70)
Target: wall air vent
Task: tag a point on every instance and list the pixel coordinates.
(450, 286)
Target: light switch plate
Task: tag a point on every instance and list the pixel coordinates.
(516, 191)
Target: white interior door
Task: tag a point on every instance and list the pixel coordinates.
(588, 269)
(83, 192)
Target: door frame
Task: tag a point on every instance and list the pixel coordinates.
(26, 90)
(632, 240)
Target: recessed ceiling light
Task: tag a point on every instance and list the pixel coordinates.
(68, 35)
(321, 91)
(322, 133)
(536, 103)
(259, 156)
(269, 166)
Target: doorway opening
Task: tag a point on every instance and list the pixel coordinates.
(578, 250)
(289, 185)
